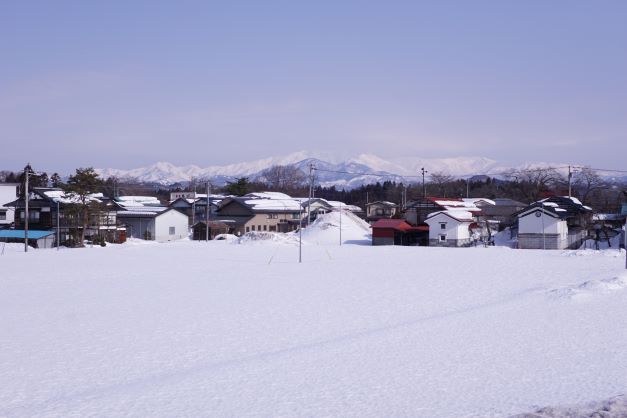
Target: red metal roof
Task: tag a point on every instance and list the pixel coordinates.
(398, 224)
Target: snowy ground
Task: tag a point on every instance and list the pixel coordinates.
(240, 328)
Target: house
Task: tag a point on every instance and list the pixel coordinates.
(196, 208)
(553, 223)
(450, 228)
(417, 211)
(260, 212)
(380, 210)
(51, 209)
(159, 224)
(500, 211)
(396, 232)
(199, 230)
(8, 193)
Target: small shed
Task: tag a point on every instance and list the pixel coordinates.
(397, 232)
(215, 228)
(36, 239)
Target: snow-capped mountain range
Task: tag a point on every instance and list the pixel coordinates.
(330, 171)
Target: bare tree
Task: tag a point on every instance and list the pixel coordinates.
(531, 182)
(586, 181)
(283, 177)
(442, 182)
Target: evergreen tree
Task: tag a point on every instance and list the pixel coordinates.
(239, 187)
(83, 183)
(55, 180)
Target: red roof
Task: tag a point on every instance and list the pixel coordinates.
(398, 224)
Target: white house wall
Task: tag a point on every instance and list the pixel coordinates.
(168, 219)
(8, 193)
(532, 224)
(457, 233)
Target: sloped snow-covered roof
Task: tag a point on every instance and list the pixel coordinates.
(268, 195)
(273, 204)
(475, 200)
(460, 215)
(138, 199)
(70, 198)
(341, 205)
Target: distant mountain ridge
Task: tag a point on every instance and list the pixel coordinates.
(348, 174)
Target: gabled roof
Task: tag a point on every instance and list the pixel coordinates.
(458, 215)
(558, 206)
(138, 213)
(398, 225)
(383, 203)
(259, 205)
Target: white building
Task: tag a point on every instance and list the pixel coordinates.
(450, 228)
(164, 225)
(554, 223)
(8, 193)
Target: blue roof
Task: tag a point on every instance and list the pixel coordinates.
(19, 233)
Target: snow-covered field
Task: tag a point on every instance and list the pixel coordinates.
(240, 328)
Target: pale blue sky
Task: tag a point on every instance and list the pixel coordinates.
(127, 83)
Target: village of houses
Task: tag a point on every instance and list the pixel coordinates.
(557, 222)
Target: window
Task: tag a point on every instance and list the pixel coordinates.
(265, 227)
(252, 227)
(172, 230)
(273, 216)
(3, 216)
(443, 225)
(296, 215)
(379, 211)
(442, 238)
(247, 229)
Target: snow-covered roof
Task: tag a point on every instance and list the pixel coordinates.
(475, 200)
(460, 215)
(273, 204)
(457, 204)
(341, 205)
(151, 209)
(382, 202)
(69, 198)
(137, 199)
(268, 195)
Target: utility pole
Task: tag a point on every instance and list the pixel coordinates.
(300, 233)
(424, 189)
(26, 174)
(194, 207)
(570, 176)
(207, 210)
(58, 226)
(340, 223)
(311, 182)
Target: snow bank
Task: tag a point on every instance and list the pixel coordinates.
(589, 288)
(615, 407)
(504, 239)
(326, 229)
